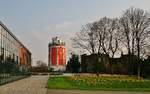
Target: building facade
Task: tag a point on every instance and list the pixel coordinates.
(57, 55)
(95, 63)
(11, 49)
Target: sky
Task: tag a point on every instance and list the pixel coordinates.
(35, 22)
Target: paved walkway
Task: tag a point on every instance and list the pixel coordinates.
(31, 85)
(52, 91)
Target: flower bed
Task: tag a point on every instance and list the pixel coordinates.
(99, 83)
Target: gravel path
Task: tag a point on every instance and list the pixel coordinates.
(31, 85)
(52, 91)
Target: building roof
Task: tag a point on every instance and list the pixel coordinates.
(56, 41)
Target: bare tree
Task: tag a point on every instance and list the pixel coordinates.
(114, 36)
(85, 39)
(127, 38)
(100, 37)
(108, 37)
(104, 36)
(40, 63)
(136, 24)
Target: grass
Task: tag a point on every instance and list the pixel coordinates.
(112, 83)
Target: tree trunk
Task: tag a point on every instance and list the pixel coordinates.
(132, 54)
(110, 65)
(139, 65)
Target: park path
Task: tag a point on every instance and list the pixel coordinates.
(31, 85)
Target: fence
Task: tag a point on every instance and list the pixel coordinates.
(10, 71)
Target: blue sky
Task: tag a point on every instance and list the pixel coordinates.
(35, 22)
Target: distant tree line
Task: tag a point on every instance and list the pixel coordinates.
(40, 67)
(129, 33)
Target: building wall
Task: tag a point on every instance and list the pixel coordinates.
(57, 55)
(11, 49)
(61, 56)
(25, 57)
(53, 58)
(90, 62)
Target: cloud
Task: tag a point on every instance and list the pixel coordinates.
(64, 25)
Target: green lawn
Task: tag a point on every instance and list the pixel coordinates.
(124, 83)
